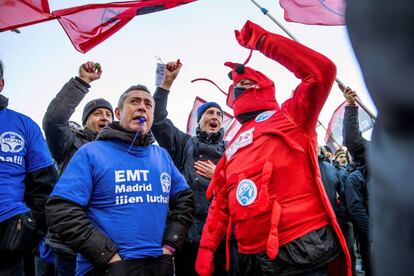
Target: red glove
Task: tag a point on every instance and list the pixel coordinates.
(205, 262)
(250, 35)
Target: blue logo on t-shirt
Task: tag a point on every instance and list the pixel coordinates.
(165, 182)
(264, 116)
(11, 142)
(246, 192)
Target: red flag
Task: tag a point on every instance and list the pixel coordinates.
(334, 130)
(192, 117)
(18, 13)
(89, 25)
(314, 12)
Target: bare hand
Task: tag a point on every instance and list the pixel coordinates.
(205, 168)
(115, 258)
(350, 95)
(170, 74)
(89, 71)
(166, 251)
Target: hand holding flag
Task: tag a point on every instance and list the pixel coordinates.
(350, 96)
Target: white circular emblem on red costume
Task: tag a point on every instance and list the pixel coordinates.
(246, 192)
(264, 116)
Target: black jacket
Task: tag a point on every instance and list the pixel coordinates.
(64, 141)
(353, 140)
(356, 192)
(185, 150)
(331, 182)
(356, 197)
(71, 221)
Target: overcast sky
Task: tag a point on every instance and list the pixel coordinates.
(40, 59)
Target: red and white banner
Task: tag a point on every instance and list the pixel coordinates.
(333, 137)
(232, 130)
(19, 13)
(314, 12)
(87, 25)
(192, 117)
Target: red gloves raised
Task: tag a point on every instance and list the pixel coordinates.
(205, 262)
(249, 35)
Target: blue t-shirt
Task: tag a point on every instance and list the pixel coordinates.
(126, 195)
(22, 150)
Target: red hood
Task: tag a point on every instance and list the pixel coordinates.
(253, 99)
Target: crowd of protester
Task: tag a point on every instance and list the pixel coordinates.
(102, 199)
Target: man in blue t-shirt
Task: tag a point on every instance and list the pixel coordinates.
(27, 176)
(121, 203)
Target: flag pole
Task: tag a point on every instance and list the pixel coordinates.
(330, 135)
(340, 83)
(266, 12)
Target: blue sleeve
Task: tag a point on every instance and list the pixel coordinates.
(38, 156)
(178, 182)
(75, 184)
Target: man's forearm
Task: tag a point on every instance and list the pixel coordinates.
(70, 221)
(38, 185)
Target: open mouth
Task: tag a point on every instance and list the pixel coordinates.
(213, 125)
(102, 125)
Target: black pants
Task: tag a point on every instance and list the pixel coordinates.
(65, 263)
(11, 264)
(307, 255)
(186, 258)
(348, 232)
(260, 265)
(157, 266)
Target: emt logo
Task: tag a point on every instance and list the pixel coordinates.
(165, 182)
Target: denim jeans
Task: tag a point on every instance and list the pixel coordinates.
(65, 264)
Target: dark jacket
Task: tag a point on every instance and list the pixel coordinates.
(331, 182)
(64, 141)
(353, 139)
(71, 220)
(185, 150)
(356, 197)
(383, 46)
(356, 191)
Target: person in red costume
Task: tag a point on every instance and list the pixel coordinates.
(267, 186)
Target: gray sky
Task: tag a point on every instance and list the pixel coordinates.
(40, 59)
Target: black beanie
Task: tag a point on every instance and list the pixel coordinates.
(204, 107)
(94, 104)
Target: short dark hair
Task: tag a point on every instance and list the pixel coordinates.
(125, 94)
(1, 70)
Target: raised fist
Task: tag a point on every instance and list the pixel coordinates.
(250, 35)
(90, 71)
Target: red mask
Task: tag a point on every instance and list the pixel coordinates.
(259, 97)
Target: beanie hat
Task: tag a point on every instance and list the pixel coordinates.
(94, 104)
(339, 152)
(327, 148)
(205, 106)
(253, 99)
